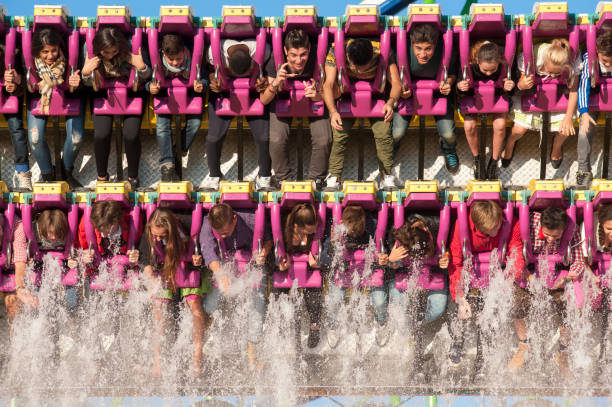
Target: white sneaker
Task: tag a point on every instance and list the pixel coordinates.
(333, 338)
(24, 180)
(211, 183)
(383, 333)
(332, 183)
(263, 183)
(388, 182)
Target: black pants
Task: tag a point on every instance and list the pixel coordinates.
(217, 130)
(313, 300)
(103, 126)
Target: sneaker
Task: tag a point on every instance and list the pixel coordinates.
(314, 336)
(48, 177)
(451, 162)
(167, 172)
(584, 178)
(134, 183)
(23, 180)
(333, 183)
(492, 169)
(263, 183)
(383, 333)
(518, 360)
(476, 167)
(319, 184)
(455, 354)
(333, 338)
(388, 182)
(72, 182)
(211, 183)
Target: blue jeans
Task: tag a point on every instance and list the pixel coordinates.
(40, 149)
(433, 309)
(212, 302)
(164, 135)
(20, 140)
(445, 125)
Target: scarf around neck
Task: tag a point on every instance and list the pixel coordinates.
(183, 70)
(51, 77)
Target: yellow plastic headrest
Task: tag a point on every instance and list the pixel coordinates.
(601, 185)
(484, 8)
(421, 186)
(176, 11)
(301, 11)
(352, 187)
(181, 187)
(51, 188)
(298, 186)
(546, 185)
(424, 9)
(362, 10)
(46, 10)
(549, 7)
(246, 187)
(483, 186)
(238, 11)
(113, 188)
(124, 11)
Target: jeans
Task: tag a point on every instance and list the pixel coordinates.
(20, 140)
(217, 130)
(257, 314)
(445, 125)
(164, 135)
(585, 143)
(382, 138)
(40, 148)
(432, 309)
(321, 138)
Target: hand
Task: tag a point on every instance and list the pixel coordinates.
(196, 260)
(464, 310)
(72, 263)
(443, 261)
(133, 256)
(90, 65)
(526, 82)
(310, 89)
(387, 111)
(572, 275)
(282, 75)
(88, 257)
(225, 285)
(567, 126)
(283, 264)
(75, 79)
(585, 121)
(137, 62)
(383, 259)
(11, 76)
(10, 87)
(336, 120)
(214, 84)
(445, 88)
(261, 84)
(198, 86)
(463, 86)
(313, 261)
(398, 253)
(154, 88)
(260, 258)
(406, 94)
(508, 85)
(27, 298)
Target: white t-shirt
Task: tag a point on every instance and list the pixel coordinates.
(227, 43)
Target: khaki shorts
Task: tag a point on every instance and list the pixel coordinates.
(522, 303)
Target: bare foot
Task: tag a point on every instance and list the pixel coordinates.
(156, 370)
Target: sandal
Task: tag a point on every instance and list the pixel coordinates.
(506, 161)
(556, 163)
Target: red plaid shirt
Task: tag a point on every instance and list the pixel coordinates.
(540, 246)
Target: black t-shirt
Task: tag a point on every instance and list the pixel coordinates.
(306, 74)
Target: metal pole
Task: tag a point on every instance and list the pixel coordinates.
(482, 147)
(59, 168)
(300, 142)
(240, 146)
(178, 160)
(421, 159)
(119, 146)
(544, 146)
(360, 148)
(606, 147)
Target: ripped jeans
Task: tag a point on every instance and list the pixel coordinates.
(40, 148)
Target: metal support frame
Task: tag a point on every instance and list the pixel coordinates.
(178, 142)
(544, 144)
(119, 146)
(482, 147)
(421, 158)
(606, 146)
(59, 167)
(300, 142)
(361, 147)
(240, 147)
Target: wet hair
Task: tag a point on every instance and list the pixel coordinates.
(44, 37)
(486, 51)
(240, 61)
(424, 32)
(105, 214)
(360, 51)
(220, 215)
(176, 245)
(303, 214)
(354, 218)
(416, 240)
(172, 44)
(554, 218)
(108, 37)
(559, 54)
(52, 221)
(485, 214)
(296, 39)
(604, 44)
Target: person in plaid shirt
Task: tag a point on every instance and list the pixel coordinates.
(545, 233)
